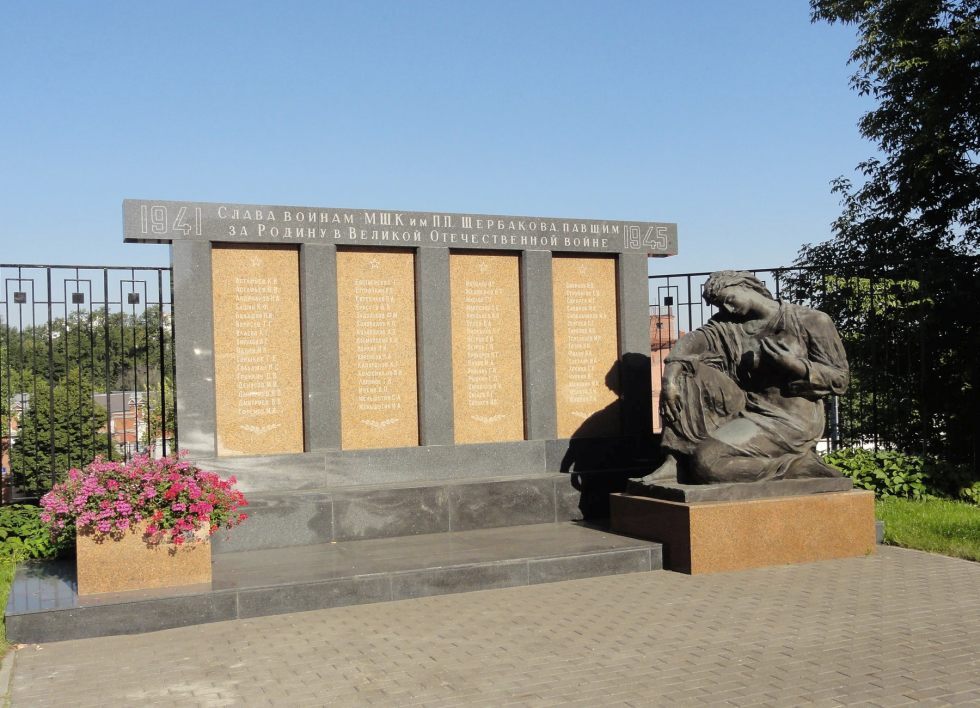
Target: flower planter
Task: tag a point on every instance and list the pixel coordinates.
(112, 504)
(128, 563)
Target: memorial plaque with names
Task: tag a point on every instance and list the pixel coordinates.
(258, 381)
(378, 377)
(488, 398)
(586, 344)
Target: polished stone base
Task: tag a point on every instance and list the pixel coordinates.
(128, 563)
(674, 491)
(282, 519)
(711, 537)
(337, 469)
(44, 605)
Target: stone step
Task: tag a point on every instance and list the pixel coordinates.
(304, 517)
(44, 606)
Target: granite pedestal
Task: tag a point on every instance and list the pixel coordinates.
(717, 536)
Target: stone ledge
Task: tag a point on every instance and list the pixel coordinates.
(674, 491)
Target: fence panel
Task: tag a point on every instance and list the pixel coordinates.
(86, 369)
(87, 360)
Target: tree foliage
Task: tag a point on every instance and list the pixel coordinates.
(920, 61)
(912, 224)
(118, 352)
(62, 428)
(69, 359)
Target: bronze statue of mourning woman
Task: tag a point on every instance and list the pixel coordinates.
(742, 395)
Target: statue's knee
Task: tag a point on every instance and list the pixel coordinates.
(707, 462)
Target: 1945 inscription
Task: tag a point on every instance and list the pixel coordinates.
(163, 222)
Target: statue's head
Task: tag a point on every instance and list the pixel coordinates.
(721, 280)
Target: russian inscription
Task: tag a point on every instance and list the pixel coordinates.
(586, 342)
(258, 386)
(488, 400)
(376, 317)
(162, 221)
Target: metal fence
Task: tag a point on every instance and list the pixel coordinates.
(86, 369)
(894, 332)
(87, 360)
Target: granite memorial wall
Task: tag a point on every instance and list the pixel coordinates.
(362, 346)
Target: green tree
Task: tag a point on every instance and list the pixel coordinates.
(115, 351)
(915, 215)
(920, 61)
(62, 428)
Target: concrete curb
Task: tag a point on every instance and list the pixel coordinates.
(6, 676)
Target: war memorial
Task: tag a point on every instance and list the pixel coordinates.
(419, 403)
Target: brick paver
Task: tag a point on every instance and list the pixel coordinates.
(897, 628)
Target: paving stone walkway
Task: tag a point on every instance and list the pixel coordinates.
(897, 628)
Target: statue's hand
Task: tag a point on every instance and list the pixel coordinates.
(782, 356)
(670, 401)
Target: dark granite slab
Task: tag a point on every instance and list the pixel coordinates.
(44, 606)
(306, 517)
(430, 464)
(475, 505)
(276, 520)
(383, 513)
(549, 570)
(673, 491)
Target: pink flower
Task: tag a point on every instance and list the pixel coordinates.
(174, 495)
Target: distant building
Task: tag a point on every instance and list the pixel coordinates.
(129, 422)
(18, 404)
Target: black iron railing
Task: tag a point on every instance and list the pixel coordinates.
(86, 369)
(87, 360)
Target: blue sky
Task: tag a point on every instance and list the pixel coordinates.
(729, 118)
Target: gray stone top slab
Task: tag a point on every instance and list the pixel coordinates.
(166, 221)
(739, 491)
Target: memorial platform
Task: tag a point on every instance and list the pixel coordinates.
(44, 605)
(718, 536)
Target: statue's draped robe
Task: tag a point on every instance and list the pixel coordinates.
(744, 418)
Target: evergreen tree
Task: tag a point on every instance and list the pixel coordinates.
(61, 428)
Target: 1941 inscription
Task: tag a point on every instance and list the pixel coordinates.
(163, 222)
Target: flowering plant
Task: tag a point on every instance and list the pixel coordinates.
(174, 497)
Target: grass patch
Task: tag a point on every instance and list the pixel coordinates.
(951, 528)
(7, 569)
